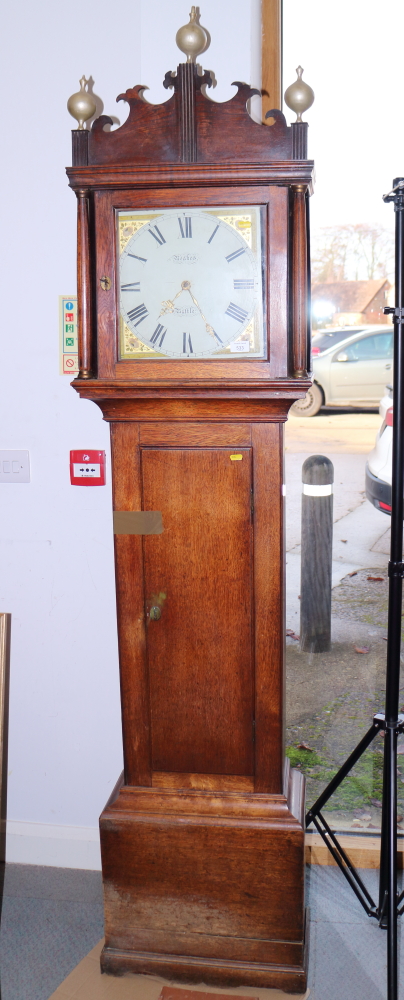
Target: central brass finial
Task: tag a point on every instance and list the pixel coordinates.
(192, 38)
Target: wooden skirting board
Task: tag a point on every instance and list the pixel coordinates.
(364, 852)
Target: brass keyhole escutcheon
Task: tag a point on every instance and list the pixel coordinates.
(105, 283)
(155, 613)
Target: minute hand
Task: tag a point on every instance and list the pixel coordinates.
(209, 328)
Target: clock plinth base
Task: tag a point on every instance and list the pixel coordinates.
(206, 886)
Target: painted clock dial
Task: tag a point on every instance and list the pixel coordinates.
(191, 284)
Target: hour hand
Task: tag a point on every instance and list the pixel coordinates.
(167, 307)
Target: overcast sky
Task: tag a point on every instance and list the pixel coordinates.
(352, 54)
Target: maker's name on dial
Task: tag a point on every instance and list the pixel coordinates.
(185, 258)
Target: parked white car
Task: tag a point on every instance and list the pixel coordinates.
(323, 339)
(351, 372)
(379, 464)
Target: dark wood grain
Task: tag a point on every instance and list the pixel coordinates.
(130, 609)
(175, 993)
(189, 494)
(201, 434)
(299, 282)
(225, 898)
(203, 401)
(299, 140)
(186, 74)
(189, 126)
(226, 371)
(200, 651)
(106, 298)
(277, 280)
(248, 139)
(150, 133)
(203, 782)
(203, 846)
(84, 286)
(269, 607)
(80, 147)
(217, 972)
(153, 177)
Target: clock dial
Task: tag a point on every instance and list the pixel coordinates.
(191, 285)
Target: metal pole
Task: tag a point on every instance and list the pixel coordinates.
(316, 554)
(388, 851)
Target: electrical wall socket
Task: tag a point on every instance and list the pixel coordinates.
(14, 467)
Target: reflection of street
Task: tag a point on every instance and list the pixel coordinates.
(331, 697)
(346, 438)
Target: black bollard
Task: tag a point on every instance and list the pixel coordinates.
(316, 554)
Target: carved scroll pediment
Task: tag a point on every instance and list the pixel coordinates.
(190, 127)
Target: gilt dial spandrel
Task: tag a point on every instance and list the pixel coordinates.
(190, 283)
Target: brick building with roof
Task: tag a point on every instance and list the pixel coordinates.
(354, 302)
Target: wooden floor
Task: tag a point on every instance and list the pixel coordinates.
(87, 983)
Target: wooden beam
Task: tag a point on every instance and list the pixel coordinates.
(364, 852)
(271, 18)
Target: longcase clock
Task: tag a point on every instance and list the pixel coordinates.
(193, 286)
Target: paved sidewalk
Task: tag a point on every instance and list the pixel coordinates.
(361, 533)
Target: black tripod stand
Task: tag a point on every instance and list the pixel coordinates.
(389, 906)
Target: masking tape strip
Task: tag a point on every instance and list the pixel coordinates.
(138, 522)
(318, 491)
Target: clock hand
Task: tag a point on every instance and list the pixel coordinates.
(168, 306)
(209, 328)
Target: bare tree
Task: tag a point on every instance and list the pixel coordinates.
(352, 253)
(374, 250)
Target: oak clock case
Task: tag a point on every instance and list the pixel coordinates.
(192, 290)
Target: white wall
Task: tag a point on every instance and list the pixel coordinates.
(56, 554)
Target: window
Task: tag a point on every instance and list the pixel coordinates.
(371, 348)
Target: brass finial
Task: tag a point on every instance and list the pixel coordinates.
(82, 105)
(192, 38)
(299, 96)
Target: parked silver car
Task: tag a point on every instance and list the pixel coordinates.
(352, 372)
(323, 339)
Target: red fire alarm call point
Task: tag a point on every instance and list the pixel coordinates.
(87, 468)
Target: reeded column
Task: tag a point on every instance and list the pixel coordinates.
(299, 283)
(186, 75)
(83, 285)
